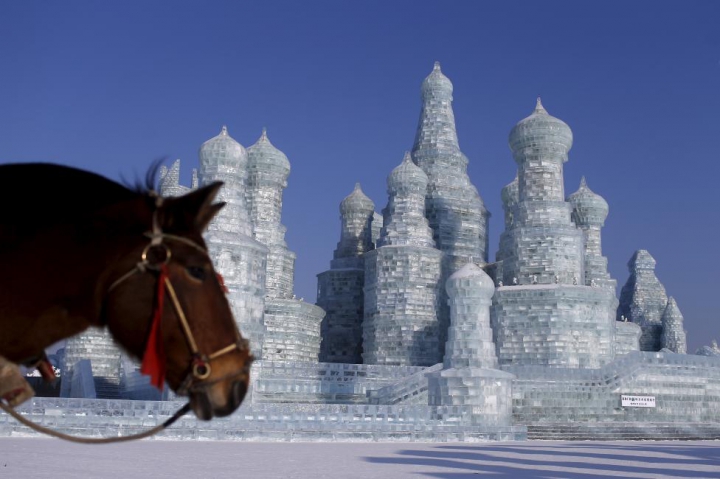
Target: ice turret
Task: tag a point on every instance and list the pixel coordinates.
(292, 326)
(357, 219)
(643, 300)
(470, 376)
(268, 171)
(589, 213)
(236, 254)
(402, 279)
(545, 244)
(340, 289)
(405, 222)
(454, 209)
(541, 312)
(224, 159)
(170, 181)
(673, 335)
(470, 342)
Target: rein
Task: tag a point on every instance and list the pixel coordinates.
(92, 440)
(153, 363)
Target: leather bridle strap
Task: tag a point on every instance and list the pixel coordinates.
(199, 367)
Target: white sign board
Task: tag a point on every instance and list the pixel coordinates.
(637, 401)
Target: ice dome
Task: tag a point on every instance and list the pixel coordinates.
(540, 133)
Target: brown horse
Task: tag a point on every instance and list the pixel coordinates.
(78, 250)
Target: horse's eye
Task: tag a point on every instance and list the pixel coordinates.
(197, 272)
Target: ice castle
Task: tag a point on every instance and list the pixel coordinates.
(416, 334)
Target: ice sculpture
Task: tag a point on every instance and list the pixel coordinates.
(544, 315)
(292, 326)
(402, 278)
(643, 300)
(268, 171)
(454, 209)
(96, 346)
(673, 335)
(589, 213)
(170, 180)
(340, 289)
(470, 377)
(235, 253)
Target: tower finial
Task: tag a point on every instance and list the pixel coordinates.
(264, 133)
(583, 183)
(539, 105)
(357, 186)
(407, 157)
(436, 67)
(224, 132)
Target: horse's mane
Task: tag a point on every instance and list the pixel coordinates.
(37, 194)
(149, 183)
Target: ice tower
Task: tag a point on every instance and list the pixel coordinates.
(643, 300)
(170, 180)
(402, 278)
(96, 345)
(292, 325)
(470, 376)
(340, 289)
(454, 209)
(544, 314)
(589, 213)
(673, 334)
(235, 253)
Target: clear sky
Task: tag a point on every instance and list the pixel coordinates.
(111, 86)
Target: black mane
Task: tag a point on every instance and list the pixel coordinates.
(35, 195)
(150, 183)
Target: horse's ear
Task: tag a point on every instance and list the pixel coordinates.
(206, 215)
(195, 209)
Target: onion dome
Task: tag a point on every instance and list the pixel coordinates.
(540, 133)
(357, 201)
(224, 152)
(641, 259)
(511, 192)
(471, 280)
(263, 154)
(589, 208)
(407, 177)
(437, 84)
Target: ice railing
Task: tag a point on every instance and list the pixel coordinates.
(269, 422)
(333, 382)
(409, 390)
(686, 388)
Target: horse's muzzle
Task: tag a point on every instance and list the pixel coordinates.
(204, 408)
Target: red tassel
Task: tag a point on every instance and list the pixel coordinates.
(222, 283)
(153, 363)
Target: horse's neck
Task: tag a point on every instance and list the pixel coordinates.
(59, 278)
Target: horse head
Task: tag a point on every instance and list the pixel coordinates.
(170, 308)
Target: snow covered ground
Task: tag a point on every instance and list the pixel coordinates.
(30, 458)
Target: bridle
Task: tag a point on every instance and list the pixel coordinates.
(153, 359)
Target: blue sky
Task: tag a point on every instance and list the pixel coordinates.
(111, 86)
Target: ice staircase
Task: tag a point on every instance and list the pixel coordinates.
(412, 389)
(586, 404)
(322, 383)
